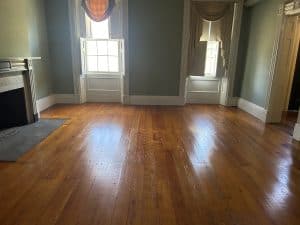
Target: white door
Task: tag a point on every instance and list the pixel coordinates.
(285, 67)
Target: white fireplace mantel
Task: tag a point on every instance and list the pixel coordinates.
(17, 72)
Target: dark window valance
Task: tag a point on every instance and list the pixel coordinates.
(98, 10)
(211, 11)
(210, 21)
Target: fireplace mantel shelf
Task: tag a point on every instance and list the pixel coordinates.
(19, 58)
(16, 64)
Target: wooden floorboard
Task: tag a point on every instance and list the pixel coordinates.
(152, 165)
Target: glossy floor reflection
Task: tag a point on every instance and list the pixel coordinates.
(113, 165)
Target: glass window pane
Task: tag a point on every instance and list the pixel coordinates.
(102, 47)
(113, 48)
(113, 64)
(100, 29)
(103, 64)
(211, 61)
(91, 48)
(92, 64)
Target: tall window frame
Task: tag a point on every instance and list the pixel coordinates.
(106, 61)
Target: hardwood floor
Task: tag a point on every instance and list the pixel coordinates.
(120, 165)
(288, 121)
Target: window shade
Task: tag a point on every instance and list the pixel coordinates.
(211, 11)
(98, 10)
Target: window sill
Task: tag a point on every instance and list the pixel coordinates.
(104, 75)
(204, 78)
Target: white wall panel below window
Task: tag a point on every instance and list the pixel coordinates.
(203, 90)
(103, 89)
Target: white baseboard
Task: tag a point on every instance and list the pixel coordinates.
(51, 100)
(66, 99)
(253, 109)
(45, 103)
(297, 132)
(156, 100)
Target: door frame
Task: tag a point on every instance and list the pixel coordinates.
(278, 92)
(292, 66)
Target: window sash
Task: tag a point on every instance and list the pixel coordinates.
(85, 56)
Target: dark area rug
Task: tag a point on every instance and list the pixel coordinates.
(14, 142)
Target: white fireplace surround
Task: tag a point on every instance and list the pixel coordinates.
(18, 73)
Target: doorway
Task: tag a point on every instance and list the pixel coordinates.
(292, 104)
(285, 69)
(294, 100)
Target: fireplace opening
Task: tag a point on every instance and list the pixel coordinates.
(12, 109)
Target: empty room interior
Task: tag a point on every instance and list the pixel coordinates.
(138, 112)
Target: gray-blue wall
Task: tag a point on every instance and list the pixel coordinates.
(253, 79)
(38, 46)
(23, 33)
(242, 53)
(155, 39)
(60, 45)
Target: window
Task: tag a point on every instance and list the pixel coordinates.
(98, 29)
(211, 59)
(101, 54)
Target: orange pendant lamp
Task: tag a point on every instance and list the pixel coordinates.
(98, 10)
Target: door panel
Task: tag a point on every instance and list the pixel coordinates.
(286, 60)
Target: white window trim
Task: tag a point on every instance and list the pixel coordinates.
(203, 78)
(96, 73)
